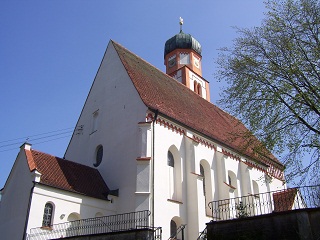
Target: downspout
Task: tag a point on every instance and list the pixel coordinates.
(152, 163)
(28, 211)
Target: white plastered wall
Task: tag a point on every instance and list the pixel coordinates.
(120, 110)
(15, 199)
(190, 207)
(64, 204)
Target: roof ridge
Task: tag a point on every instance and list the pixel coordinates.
(163, 73)
(159, 91)
(119, 45)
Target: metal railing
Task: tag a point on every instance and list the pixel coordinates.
(98, 225)
(265, 203)
(203, 235)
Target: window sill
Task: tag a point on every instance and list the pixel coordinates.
(230, 186)
(198, 175)
(174, 201)
(47, 228)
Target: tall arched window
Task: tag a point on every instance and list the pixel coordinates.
(170, 162)
(207, 187)
(174, 174)
(173, 229)
(47, 215)
(203, 180)
(170, 159)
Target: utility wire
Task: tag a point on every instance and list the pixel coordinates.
(36, 135)
(10, 149)
(34, 139)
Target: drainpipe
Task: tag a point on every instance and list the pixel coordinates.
(152, 163)
(28, 212)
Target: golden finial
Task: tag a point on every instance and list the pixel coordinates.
(181, 23)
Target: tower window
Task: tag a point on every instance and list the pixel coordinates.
(47, 215)
(99, 155)
(197, 88)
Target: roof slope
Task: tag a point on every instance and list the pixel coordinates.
(284, 200)
(161, 92)
(67, 175)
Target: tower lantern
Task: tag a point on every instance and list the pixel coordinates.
(182, 58)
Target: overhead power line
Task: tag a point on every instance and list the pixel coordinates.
(36, 139)
(36, 135)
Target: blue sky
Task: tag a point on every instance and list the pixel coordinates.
(50, 52)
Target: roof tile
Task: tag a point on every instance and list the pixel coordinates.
(161, 92)
(67, 175)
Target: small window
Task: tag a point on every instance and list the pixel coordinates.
(173, 229)
(170, 159)
(47, 215)
(199, 91)
(195, 86)
(95, 116)
(99, 155)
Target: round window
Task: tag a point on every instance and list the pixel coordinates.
(99, 155)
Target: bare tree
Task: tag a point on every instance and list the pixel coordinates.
(273, 82)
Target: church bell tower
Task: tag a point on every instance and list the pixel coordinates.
(182, 58)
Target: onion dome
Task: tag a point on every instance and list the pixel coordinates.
(182, 41)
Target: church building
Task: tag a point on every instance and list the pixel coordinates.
(145, 140)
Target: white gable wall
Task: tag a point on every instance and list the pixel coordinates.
(15, 199)
(120, 110)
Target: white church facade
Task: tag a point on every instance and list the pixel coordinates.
(145, 140)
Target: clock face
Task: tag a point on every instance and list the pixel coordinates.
(197, 62)
(172, 62)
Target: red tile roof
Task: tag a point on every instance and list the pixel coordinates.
(67, 175)
(284, 200)
(161, 92)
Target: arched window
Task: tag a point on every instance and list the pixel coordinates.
(195, 89)
(229, 180)
(170, 162)
(173, 229)
(99, 155)
(47, 215)
(199, 89)
(203, 180)
(207, 188)
(170, 159)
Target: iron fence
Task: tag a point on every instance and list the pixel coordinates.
(265, 203)
(106, 224)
